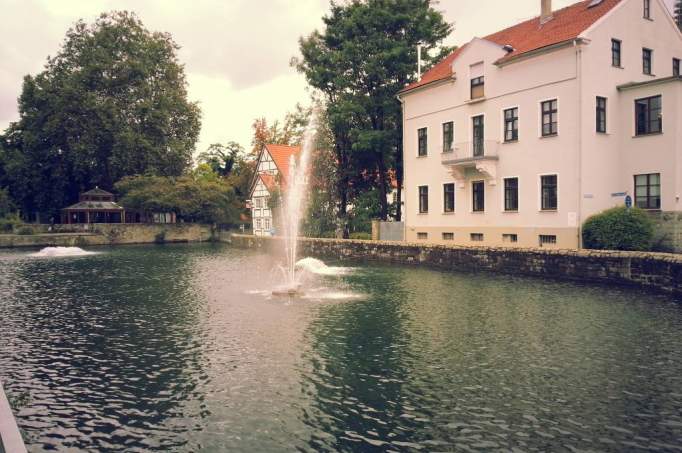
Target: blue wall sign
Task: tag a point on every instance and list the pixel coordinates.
(628, 201)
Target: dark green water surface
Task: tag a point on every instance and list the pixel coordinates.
(172, 348)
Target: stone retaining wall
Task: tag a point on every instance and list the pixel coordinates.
(660, 271)
(668, 231)
(111, 234)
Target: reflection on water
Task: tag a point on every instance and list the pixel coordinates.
(173, 348)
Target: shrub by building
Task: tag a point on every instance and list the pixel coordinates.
(619, 229)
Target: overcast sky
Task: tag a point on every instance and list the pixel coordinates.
(236, 52)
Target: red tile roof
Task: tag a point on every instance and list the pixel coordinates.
(567, 24)
(269, 180)
(281, 154)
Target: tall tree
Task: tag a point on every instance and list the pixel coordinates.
(112, 102)
(365, 56)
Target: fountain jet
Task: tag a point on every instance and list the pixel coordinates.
(294, 206)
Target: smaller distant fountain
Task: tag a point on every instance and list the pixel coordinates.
(55, 252)
(294, 206)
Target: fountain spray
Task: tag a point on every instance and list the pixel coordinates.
(295, 202)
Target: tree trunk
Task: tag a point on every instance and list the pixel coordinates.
(383, 202)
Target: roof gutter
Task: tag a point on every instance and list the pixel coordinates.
(435, 83)
(542, 50)
(633, 85)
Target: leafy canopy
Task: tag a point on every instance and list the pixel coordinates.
(111, 103)
(202, 196)
(365, 56)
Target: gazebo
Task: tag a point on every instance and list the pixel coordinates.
(94, 206)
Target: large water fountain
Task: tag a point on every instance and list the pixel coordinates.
(294, 206)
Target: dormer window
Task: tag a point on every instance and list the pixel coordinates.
(477, 87)
(647, 9)
(477, 81)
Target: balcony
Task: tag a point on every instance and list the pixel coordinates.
(479, 155)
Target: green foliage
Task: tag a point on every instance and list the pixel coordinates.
(361, 236)
(25, 231)
(365, 56)
(320, 220)
(10, 223)
(365, 210)
(6, 204)
(200, 197)
(619, 228)
(111, 103)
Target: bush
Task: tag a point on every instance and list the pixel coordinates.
(10, 223)
(25, 231)
(361, 235)
(619, 229)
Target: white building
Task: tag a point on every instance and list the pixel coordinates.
(272, 171)
(516, 138)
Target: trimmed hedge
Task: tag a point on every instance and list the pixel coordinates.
(619, 229)
(361, 235)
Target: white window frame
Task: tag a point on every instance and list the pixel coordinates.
(442, 198)
(428, 197)
(427, 142)
(502, 134)
(442, 136)
(539, 198)
(558, 117)
(471, 196)
(518, 179)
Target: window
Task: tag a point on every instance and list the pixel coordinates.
(478, 133)
(476, 237)
(266, 223)
(448, 236)
(676, 67)
(647, 9)
(549, 118)
(449, 197)
(511, 194)
(510, 238)
(615, 53)
(511, 124)
(422, 236)
(648, 118)
(421, 137)
(478, 196)
(448, 136)
(547, 239)
(477, 87)
(646, 61)
(601, 114)
(423, 199)
(548, 192)
(258, 224)
(648, 191)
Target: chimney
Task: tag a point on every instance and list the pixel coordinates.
(546, 14)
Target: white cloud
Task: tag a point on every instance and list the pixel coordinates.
(236, 52)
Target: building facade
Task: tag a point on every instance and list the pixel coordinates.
(517, 138)
(272, 171)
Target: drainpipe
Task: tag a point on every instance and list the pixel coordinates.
(403, 204)
(578, 68)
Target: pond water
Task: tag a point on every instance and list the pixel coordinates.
(175, 348)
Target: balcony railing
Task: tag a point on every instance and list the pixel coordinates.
(470, 152)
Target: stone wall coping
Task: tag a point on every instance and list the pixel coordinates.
(587, 253)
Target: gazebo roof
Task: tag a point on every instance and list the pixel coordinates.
(94, 206)
(97, 191)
